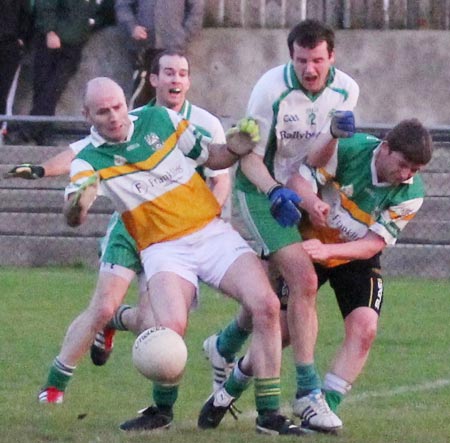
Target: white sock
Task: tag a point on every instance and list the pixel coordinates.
(332, 382)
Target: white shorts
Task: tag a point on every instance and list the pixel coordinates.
(206, 254)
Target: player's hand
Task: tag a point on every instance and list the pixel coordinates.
(317, 251)
(86, 193)
(75, 210)
(284, 207)
(242, 138)
(342, 124)
(319, 212)
(26, 171)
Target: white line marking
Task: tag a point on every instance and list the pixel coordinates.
(428, 386)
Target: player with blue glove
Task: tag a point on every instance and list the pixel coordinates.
(303, 108)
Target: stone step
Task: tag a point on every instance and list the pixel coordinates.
(51, 225)
(26, 251)
(425, 261)
(426, 231)
(27, 153)
(48, 200)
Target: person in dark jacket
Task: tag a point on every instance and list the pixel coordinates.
(15, 31)
(153, 26)
(62, 29)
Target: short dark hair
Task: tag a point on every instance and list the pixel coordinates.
(154, 68)
(309, 33)
(412, 139)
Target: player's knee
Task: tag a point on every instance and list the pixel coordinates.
(266, 310)
(304, 285)
(367, 337)
(364, 332)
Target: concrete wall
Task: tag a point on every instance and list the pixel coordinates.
(401, 73)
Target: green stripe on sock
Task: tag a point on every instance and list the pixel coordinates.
(267, 394)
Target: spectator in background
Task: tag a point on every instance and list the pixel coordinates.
(62, 29)
(155, 25)
(105, 14)
(15, 31)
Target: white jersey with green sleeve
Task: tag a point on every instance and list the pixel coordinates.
(210, 124)
(358, 201)
(294, 121)
(151, 178)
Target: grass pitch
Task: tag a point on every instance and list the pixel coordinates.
(402, 395)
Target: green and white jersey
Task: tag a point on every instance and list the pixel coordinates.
(358, 201)
(208, 124)
(151, 178)
(292, 120)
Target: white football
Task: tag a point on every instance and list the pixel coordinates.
(160, 354)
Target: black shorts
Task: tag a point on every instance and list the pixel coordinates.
(356, 284)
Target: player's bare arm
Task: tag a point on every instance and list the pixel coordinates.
(56, 165)
(316, 208)
(361, 249)
(255, 170)
(320, 156)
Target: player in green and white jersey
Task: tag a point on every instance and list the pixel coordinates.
(119, 255)
(358, 204)
(170, 77)
(302, 108)
(142, 165)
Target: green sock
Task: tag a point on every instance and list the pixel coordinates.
(237, 383)
(333, 399)
(59, 375)
(231, 340)
(165, 396)
(308, 379)
(267, 394)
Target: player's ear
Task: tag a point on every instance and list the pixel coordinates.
(86, 114)
(153, 79)
(332, 57)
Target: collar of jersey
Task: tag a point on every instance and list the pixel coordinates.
(97, 140)
(185, 110)
(292, 81)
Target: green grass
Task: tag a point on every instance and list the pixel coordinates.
(402, 395)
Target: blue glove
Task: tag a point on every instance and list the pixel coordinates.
(284, 207)
(342, 124)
